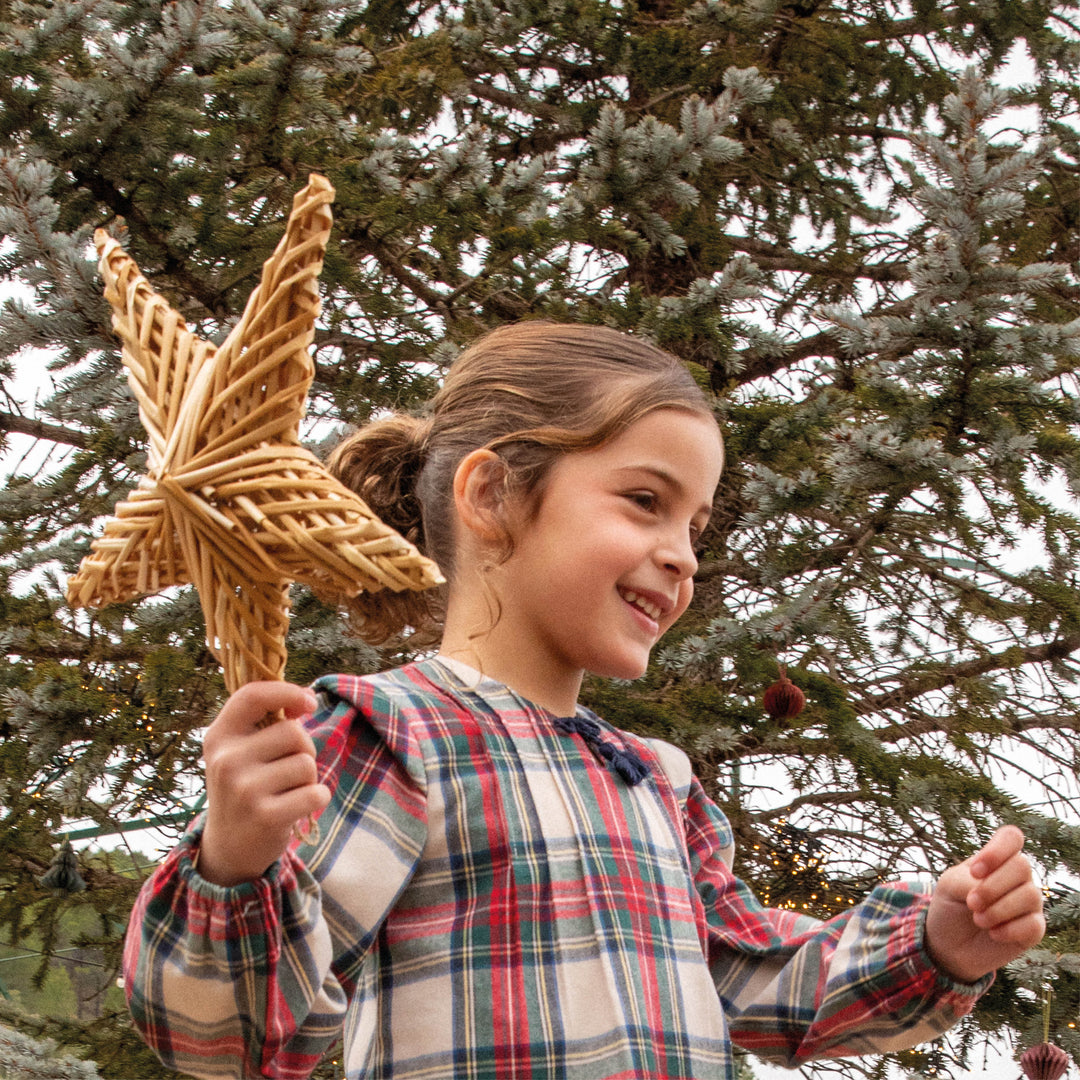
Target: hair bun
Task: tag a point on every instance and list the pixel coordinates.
(381, 463)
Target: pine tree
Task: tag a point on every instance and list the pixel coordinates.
(24, 1058)
(826, 208)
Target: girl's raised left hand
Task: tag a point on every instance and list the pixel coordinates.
(985, 911)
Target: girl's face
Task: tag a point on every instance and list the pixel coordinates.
(604, 567)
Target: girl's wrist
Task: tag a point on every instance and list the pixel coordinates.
(220, 868)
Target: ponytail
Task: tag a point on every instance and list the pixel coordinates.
(382, 462)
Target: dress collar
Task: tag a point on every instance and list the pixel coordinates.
(625, 761)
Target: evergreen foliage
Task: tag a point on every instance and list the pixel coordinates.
(24, 1058)
(834, 212)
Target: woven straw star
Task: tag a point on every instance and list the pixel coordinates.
(231, 500)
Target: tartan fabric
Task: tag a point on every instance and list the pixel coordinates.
(488, 900)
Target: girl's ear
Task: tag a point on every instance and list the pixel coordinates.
(478, 495)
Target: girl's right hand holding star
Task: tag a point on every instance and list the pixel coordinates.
(260, 780)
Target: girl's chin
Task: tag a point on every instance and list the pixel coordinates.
(627, 670)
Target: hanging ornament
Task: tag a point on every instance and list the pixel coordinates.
(1044, 1062)
(784, 699)
(63, 875)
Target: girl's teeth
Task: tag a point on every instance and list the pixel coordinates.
(639, 601)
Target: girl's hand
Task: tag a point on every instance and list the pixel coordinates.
(259, 781)
(986, 911)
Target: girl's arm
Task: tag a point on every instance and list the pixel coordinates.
(233, 981)
(249, 978)
(794, 988)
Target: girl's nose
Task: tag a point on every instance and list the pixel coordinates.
(677, 554)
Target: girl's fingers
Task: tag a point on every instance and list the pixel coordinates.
(1012, 875)
(279, 811)
(230, 758)
(247, 786)
(247, 707)
(998, 850)
(1024, 932)
(1017, 903)
(278, 741)
(285, 774)
(299, 804)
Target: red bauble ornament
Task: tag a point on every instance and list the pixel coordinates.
(1044, 1062)
(784, 699)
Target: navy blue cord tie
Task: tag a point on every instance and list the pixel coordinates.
(625, 762)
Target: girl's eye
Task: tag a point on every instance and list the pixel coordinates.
(697, 540)
(645, 499)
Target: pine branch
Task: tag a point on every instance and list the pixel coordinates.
(756, 366)
(96, 877)
(523, 103)
(358, 351)
(79, 651)
(777, 257)
(271, 135)
(916, 686)
(42, 429)
(391, 261)
(825, 343)
(172, 264)
(816, 798)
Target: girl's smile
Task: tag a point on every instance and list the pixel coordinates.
(653, 607)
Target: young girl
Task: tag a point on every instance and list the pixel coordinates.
(503, 885)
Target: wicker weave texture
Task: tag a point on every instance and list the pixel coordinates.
(231, 500)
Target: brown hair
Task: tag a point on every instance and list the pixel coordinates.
(530, 392)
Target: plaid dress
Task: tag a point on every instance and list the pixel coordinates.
(488, 898)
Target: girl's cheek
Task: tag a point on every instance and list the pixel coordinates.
(683, 597)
